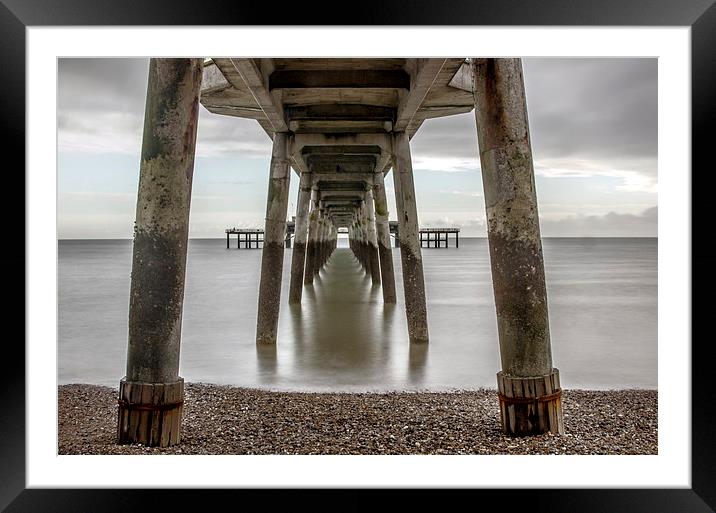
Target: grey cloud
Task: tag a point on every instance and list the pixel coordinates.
(101, 103)
(115, 84)
(599, 110)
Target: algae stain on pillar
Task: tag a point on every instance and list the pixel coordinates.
(410, 253)
(385, 252)
(298, 257)
(273, 249)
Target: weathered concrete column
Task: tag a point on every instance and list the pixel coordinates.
(385, 252)
(353, 238)
(364, 240)
(528, 384)
(372, 238)
(324, 244)
(329, 239)
(298, 259)
(321, 235)
(312, 238)
(410, 254)
(356, 240)
(151, 394)
(272, 254)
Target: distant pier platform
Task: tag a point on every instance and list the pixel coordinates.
(249, 237)
(253, 238)
(429, 237)
(438, 237)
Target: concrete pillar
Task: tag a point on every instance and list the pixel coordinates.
(360, 226)
(372, 238)
(151, 394)
(410, 254)
(365, 254)
(324, 241)
(354, 237)
(312, 239)
(272, 254)
(334, 239)
(528, 384)
(329, 238)
(359, 240)
(385, 253)
(321, 234)
(353, 240)
(367, 247)
(298, 259)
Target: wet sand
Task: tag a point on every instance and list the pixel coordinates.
(233, 420)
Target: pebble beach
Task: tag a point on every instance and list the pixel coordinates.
(222, 419)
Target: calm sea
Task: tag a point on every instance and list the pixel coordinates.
(602, 299)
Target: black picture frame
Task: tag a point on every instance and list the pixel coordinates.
(700, 15)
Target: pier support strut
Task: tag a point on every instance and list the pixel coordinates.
(312, 240)
(410, 253)
(385, 252)
(298, 258)
(372, 238)
(151, 394)
(272, 255)
(528, 384)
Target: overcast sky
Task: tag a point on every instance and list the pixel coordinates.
(593, 124)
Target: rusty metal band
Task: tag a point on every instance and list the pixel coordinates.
(528, 400)
(149, 407)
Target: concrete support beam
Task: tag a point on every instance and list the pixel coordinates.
(410, 254)
(426, 73)
(381, 141)
(252, 75)
(298, 258)
(301, 79)
(385, 252)
(272, 255)
(372, 238)
(362, 239)
(515, 250)
(312, 240)
(339, 111)
(152, 393)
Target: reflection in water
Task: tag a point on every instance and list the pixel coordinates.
(338, 333)
(418, 355)
(266, 362)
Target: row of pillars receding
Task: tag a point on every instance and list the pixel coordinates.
(151, 394)
(316, 238)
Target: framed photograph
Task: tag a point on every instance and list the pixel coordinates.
(647, 65)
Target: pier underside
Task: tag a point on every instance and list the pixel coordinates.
(341, 125)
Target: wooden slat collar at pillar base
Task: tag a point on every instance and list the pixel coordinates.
(150, 413)
(530, 406)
